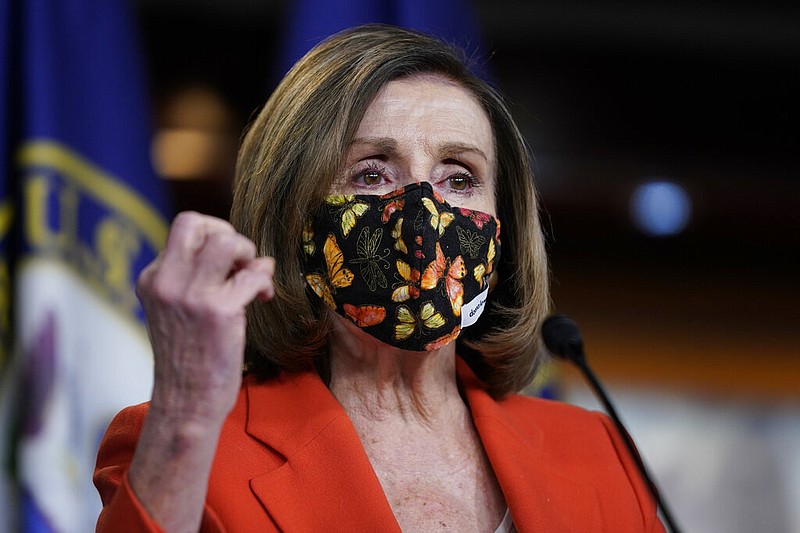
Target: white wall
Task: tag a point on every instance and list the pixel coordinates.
(725, 465)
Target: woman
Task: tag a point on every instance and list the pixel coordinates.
(365, 242)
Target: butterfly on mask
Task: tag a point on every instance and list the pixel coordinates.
(309, 246)
(409, 323)
(347, 210)
(479, 218)
(336, 277)
(365, 315)
(397, 235)
(444, 339)
(451, 273)
(394, 203)
(409, 280)
(438, 221)
(483, 271)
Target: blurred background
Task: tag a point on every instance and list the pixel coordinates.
(665, 143)
(665, 139)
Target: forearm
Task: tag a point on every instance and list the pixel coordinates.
(194, 295)
(171, 467)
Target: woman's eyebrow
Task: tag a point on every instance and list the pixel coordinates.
(455, 148)
(385, 145)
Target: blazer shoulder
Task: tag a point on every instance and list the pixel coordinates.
(561, 424)
(548, 412)
(583, 444)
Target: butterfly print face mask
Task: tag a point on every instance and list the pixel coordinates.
(406, 267)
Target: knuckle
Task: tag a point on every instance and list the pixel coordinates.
(185, 220)
(189, 225)
(148, 278)
(248, 246)
(164, 290)
(230, 245)
(196, 305)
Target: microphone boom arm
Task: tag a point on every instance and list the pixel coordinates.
(563, 339)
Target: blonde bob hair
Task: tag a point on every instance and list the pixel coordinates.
(295, 149)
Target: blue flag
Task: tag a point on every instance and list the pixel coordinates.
(454, 21)
(6, 191)
(85, 211)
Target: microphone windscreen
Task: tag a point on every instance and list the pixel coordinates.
(562, 337)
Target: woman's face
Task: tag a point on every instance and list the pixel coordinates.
(423, 128)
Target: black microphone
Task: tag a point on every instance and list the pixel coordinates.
(563, 339)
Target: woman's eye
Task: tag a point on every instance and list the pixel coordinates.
(371, 177)
(460, 182)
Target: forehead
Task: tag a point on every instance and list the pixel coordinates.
(428, 107)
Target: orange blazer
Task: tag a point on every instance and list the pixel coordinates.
(289, 459)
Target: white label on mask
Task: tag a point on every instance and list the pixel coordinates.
(470, 311)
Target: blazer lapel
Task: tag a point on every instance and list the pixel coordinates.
(534, 490)
(327, 482)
